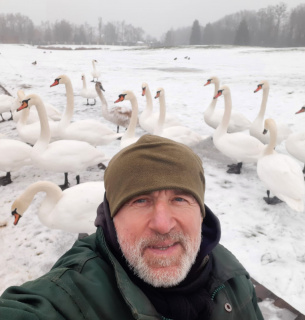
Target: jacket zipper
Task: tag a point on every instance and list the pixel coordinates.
(216, 291)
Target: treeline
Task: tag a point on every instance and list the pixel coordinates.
(16, 28)
(273, 26)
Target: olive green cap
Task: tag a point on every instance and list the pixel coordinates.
(150, 164)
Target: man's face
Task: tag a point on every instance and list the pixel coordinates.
(160, 234)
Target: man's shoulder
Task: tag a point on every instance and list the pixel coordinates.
(226, 265)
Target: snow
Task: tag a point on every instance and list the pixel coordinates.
(268, 240)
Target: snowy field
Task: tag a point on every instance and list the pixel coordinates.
(268, 240)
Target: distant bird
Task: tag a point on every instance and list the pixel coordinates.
(95, 73)
(117, 115)
(71, 210)
(280, 173)
(88, 93)
(175, 58)
(34, 63)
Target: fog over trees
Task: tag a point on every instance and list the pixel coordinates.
(273, 26)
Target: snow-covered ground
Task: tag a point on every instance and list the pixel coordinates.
(268, 240)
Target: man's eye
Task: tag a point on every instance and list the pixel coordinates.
(179, 199)
(140, 200)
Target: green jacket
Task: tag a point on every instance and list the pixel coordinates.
(88, 283)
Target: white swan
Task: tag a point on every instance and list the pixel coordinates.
(120, 116)
(281, 174)
(212, 117)
(295, 145)
(6, 103)
(63, 155)
(178, 133)
(95, 73)
(88, 130)
(71, 210)
(88, 93)
(257, 127)
(129, 135)
(32, 116)
(14, 155)
(238, 146)
(149, 120)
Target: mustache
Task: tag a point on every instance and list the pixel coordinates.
(159, 238)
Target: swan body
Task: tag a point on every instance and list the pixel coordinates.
(120, 116)
(257, 127)
(212, 116)
(178, 133)
(95, 73)
(129, 136)
(71, 210)
(295, 145)
(6, 103)
(14, 155)
(62, 155)
(86, 92)
(281, 174)
(32, 116)
(148, 120)
(238, 146)
(87, 130)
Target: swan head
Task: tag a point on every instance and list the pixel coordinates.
(126, 95)
(62, 79)
(224, 90)
(159, 93)
(262, 85)
(144, 88)
(99, 86)
(269, 125)
(94, 61)
(29, 100)
(213, 79)
(18, 208)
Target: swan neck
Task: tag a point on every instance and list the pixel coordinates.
(149, 101)
(69, 110)
(223, 126)
(45, 134)
(272, 140)
(130, 132)
(162, 115)
(105, 111)
(262, 110)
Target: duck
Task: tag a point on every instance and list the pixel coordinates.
(280, 173)
(129, 136)
(6, 103)
(88, 93)
(15, 155)
(257, 126)
(213, 116)
(148, 120)
(295, 144)
(180, 133)
(62, 155)
(95, 73)
(120, 116)
(88, 130)
(53, 113)
(72, 210)
(238, 146)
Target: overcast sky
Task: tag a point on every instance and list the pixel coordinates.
(154, 17)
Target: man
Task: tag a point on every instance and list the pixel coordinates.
(155, 254)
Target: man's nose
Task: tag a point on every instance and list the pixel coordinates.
(162, 220)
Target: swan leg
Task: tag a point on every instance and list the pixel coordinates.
(118, 129)
(274, 200)
(77, 179)
(304, 169)
(66, 183)
(2, 118)
(235, 168)
(87, 102)
(93, 103)
(6, 179)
